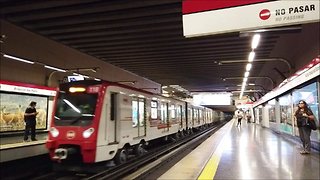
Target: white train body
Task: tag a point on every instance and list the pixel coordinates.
(112, 117)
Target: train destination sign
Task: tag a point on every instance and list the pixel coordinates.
(215, 17)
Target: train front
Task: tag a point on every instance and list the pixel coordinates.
(74, 126)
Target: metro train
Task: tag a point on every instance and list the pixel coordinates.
(96, 121)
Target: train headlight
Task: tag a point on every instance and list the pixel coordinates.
(54, 132)
(87, 133)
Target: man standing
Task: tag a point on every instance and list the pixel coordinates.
(239, 117)
(30, 121)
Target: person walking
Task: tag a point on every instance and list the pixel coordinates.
(239, 117)
(303, 114)
(30, 121)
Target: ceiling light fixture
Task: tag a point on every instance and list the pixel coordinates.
(18, 59)
(251, 56)
(246, 74)
(249, 66)
(54, 68)
(255, 41)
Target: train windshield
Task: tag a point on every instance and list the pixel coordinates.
(76, 109)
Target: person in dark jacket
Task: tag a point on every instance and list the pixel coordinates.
(302, 114)
(30, 121)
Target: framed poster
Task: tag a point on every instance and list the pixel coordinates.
(13, 106)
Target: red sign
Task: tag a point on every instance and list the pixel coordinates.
(193, 6)
(264, 14)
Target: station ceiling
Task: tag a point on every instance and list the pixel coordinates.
(146, 37)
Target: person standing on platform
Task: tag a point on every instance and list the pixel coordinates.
(302, 114)
(239, 117)
(248, 115)
(30, 121)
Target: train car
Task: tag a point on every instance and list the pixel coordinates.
(95, 121)
(276, 109)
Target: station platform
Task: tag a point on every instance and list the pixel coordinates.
(246, 152)
(13, 147)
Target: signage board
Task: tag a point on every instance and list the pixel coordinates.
(75, 78)
(244, 16)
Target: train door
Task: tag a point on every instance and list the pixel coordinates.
(165, 116)
(179, 116)
(142, 117)
(139, 117)
(190, 117)
(113, 117)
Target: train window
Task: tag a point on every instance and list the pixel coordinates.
(190, 114)
(164, 113)
(195, 114)
(272, 110)
(285, 113)
(134, 113)
(179, 108)
(75, 108)
(154, 110)
(172, 112)
(141, 112)
(113, 106)
(138, 112)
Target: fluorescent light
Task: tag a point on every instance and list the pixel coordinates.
(248, 67)
(246, 74)
(18, 59)
(251, 56)
(252, 84)
(54, 68)
(84, 76)
(255, 41)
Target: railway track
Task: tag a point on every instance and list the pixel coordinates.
(148, 166)
(144, 167)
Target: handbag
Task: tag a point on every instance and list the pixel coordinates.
(312, 124)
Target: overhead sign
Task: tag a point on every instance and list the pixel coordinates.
(75, 78)
(212, 99)
(26, 88)
(242, 15)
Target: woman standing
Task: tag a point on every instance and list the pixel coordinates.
(302, 114)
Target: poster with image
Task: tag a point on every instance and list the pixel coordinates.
(12, 108)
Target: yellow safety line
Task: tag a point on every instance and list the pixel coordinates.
(211, 167)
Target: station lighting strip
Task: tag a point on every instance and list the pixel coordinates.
(45, 66)
(254, 45)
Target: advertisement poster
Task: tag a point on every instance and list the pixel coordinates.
(12, 108)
